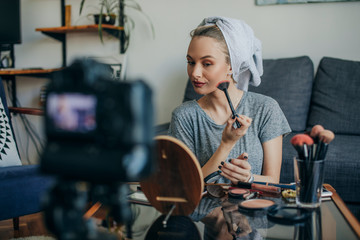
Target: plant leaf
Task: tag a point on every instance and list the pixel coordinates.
(110, 6)
(133, 4)
(100, 24)
(81, 6)
(136, 6)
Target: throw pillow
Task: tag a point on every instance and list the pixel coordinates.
(336, 96)
(9, 155)
(289, 81)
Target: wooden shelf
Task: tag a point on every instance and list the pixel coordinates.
(59, 32)
(12, 72)
(80, 28)
(30, 111)
(9, 75)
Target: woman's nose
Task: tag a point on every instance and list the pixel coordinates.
(196, 71)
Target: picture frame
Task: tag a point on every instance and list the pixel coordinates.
(274, 2)
(117, 63)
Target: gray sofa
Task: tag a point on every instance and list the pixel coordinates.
(332, 99)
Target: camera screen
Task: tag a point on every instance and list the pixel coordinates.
(72, 112)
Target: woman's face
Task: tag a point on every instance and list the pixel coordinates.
(207, 64)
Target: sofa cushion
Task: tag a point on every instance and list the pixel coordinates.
(289, 81)
(22, 188)
(336, 96)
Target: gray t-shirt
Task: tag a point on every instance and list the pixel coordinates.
(202, 135)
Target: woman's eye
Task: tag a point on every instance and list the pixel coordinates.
(207, 64)
(190, 63)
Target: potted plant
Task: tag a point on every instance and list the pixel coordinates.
(109, 16)
(110, 9)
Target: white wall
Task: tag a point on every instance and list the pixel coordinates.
(316, 30)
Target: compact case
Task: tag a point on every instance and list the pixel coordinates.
(288, 215)
(257, 204)
(215, 190)
(238, 193)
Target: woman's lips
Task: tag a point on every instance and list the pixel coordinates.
(198, 84)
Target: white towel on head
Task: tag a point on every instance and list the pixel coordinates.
(244, 49)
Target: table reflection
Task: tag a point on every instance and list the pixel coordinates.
(222, 218)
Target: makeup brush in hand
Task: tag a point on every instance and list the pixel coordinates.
(223, 86)
(301, 143)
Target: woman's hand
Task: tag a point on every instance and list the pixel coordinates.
(230, 134)
(237, 169)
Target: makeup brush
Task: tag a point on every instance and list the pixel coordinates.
(301, 142)
(315, 131)
(223, 86)
(325, 137)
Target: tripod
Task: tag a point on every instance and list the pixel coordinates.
(66, 202)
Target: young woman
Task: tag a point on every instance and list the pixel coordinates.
(226, 49)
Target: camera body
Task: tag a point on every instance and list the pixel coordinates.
(97, 129)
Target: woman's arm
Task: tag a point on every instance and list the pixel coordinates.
(221, 154)
(239, 169)
(272, 161)
(228, 140)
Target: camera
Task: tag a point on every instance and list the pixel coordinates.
(97, 129)
(99, 135)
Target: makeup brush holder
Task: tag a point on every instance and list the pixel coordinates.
(309, 178)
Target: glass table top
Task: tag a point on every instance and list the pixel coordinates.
(222, 218)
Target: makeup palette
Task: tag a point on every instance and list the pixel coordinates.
(257, 204)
